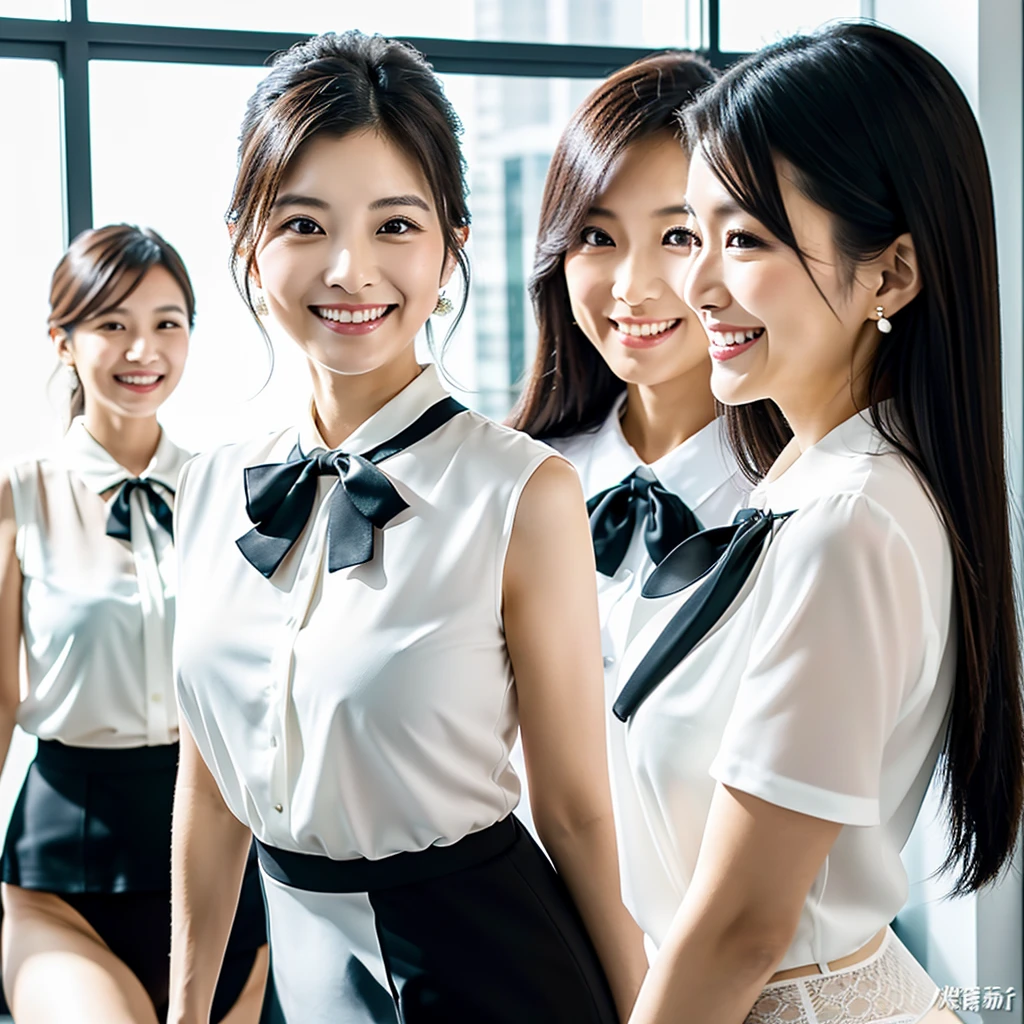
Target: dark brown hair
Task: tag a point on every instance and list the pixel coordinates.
(570, 388)
(881, 137)
(333, 85)
(100, 269)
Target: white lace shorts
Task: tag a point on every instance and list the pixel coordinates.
(890, 987)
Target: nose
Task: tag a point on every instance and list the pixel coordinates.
(352, 266)
(143, 348)
(704, 287)
(637, 279)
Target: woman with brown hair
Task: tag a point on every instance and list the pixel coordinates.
(621, 381)
(87, 586)
(373, 601)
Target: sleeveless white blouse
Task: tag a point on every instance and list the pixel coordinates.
(97, 611)
(368, 711)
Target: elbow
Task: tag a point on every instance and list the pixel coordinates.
(754, 946)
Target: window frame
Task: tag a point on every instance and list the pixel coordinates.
(76, 41)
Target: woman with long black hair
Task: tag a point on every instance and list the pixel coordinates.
(806, 671)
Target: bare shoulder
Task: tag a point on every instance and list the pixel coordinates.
(551, 496)
(6, 497)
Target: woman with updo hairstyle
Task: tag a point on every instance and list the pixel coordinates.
(806, 671)
(373, 601)
(621, 380)
(87, 590)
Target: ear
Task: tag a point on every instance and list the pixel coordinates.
(462, 235)
(900, 275)
(62, 343)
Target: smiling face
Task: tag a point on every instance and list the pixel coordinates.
(625, 275)
(773, 334)
(352, 256)
(130, 358)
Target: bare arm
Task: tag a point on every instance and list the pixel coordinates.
(10, 620)
(553, 636)
(208, 851)
(755, 867)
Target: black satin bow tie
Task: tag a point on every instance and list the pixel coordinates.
(723, 557)
(614, 512)
(279, 497)
(119, 521)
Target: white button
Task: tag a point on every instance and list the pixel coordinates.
(278, 808)
(608, 661)
(157, 698)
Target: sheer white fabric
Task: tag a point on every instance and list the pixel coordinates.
(97, 611)
(890, 987)
(824, 689)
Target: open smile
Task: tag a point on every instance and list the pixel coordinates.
(140, 383)
(645, 333)
(732, 343)
(353, 319)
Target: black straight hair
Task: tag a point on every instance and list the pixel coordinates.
(880, 136)
(570, 388)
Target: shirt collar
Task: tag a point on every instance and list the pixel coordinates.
(99, 471)
(819, 470)
(394, 416)
(693, 470)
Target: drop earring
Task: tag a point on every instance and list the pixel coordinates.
(74, 382)
(882, 323)
(444, 305)
(259, 304)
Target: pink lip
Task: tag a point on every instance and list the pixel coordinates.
(141, 389)
(631, 341)
(367, 327)
(722, 354)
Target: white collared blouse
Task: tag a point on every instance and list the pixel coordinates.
(824, 689)
(371, 710)
(703, 472)
(97, 611)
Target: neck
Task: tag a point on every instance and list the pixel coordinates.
(660, 417)
(130, 441)
(343, 402)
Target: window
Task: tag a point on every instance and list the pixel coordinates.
(747, 25)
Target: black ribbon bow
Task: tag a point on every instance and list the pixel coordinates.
(723, 557)
(119, 521)
(279, 497)
(614, 512)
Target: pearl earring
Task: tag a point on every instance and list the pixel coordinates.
(883, 323)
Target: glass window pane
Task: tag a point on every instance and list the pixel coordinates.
(655, 23)
(511, 126)
(30, 177)
(747, 25)
(40, 10)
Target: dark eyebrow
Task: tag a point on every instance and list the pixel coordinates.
(600, 211)
(294, 199)
(407, 200)
(124, 311)
(170, 309)
(680, 209)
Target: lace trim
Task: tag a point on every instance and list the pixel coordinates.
(889, 987)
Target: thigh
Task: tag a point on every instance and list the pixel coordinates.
(56, 967)
(500, 943)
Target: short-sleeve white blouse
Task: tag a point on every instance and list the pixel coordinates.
(371, 710)
(824, 689)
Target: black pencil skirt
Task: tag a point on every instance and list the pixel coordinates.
(93, 826)
(482, 932)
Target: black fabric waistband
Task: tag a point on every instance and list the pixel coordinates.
(315, 873)
(57, 755)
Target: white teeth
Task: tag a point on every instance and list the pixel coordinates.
(646, 330)
(137, 379)
(723, 339)
(349, 316)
